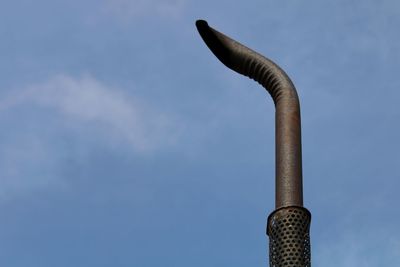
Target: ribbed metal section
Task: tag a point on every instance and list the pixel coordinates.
(243, 60)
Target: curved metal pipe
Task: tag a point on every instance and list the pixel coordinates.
(289, 188)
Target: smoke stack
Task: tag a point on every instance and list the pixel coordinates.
(288, 225)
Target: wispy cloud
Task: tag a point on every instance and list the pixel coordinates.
(87, 100)
(126, 9)
(30, 154)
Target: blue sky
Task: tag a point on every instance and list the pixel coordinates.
(125, 142)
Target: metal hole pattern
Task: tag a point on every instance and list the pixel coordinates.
(289, 238)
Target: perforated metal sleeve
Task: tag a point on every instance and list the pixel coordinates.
(289, 237)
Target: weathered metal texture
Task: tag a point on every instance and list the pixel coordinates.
(289, 237)
(288, 226)
(287, 117)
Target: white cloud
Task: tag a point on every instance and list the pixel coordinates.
(30, 157)
(86, 100)
(128, 9)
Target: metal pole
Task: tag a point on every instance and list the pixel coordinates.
(288, 226)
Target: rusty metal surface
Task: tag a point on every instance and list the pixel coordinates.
(287, 117)
(289, 225)
(289, 237)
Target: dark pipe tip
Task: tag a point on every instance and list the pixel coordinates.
(218, 43)
(204, 30)
(201, 24)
